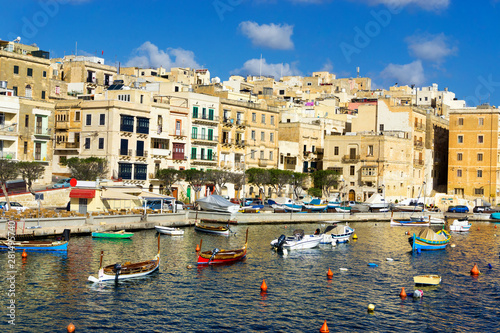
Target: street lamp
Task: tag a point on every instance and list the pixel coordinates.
(383, 189)
(244, 175)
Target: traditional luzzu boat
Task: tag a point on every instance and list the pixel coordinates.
(315, 205)
(298, 241)
(169, 231)
(218, 230)
(217, 256)
(127, 270)
(429, 240)
(122, 234)
(36, 245)
(462, 225)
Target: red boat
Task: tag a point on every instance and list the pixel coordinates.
(217, 256)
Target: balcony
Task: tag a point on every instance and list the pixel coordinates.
(68, 145)
(125, 152)
(240, 123)
(179, 134)
(206, 119)
(418, 144)
(226, 164)
(39, 131)
(160, 152)
(141, 154)
(239, 165)
(418, 162)
(227, 143)
(204, 159)
(350, 158)
(8, 155)
(62, 125)
(152, 176)
(240, 143)
(179, 157)
(263, 162)
(205, 139)
(420, 127)
(227, 122)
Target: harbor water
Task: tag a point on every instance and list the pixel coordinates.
(51, 289)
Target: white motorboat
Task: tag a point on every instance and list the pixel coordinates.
(169, 231)
(427, 218)
(216, 203)
(298, 241)
(337, 234)
(462, 225)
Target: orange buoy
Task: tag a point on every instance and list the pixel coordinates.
(475, 270)
(324, 328)
(495, 226)
(329, 274)
(402, 294)
(71, 328)
(24, 255)
(197, 248)
(478, 228)
(263, 286)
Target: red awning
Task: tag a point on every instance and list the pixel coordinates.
(79, 193)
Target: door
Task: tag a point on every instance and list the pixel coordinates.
(82, 206)
(352, 195)
(175, 192)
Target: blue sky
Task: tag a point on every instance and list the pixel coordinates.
(449, 42)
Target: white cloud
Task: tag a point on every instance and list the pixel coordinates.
(431, 5)
(429, 47)
(273, 36)
(412, 73)
(327, 66)
(253, 67)
(149, 56)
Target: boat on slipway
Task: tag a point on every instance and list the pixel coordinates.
(127, 270)
(216, 203)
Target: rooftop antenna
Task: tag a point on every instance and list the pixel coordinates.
(76, 48)
(357, 70)
(260, 66)
(281, 71)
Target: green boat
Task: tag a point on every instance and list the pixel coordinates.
(113, 234)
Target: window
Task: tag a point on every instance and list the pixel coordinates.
(125, 171)
(27, 121)
(139, 148)
(261, 154)
(460, 139)
(29, 72)
(479, 173)
(210, 114)
(102, 119)
(481, 121)
(124, 147)
(480, 139)
(142, 125)
(271, 137)
(460, 121)
(459, 173)
(282, 92)
(253, 135)
(252, 154)
(336, 151)
(44, 74)
(87, 143)
(14, 91)
(193, 153)
(272, 120)
(101, 143)
(16, 69)
(210, 134)
(195, 112)
(352, 170)
(459, 191)
(254, 117)
(194, 133)
(479, 191)
(480, 156)
(43, 94)
(262, 136)
(125, 98)
(140, 171)
(88, 121)
(126, 123)
(77, 115)
(142, 99)
(381, 126)
(271, 155)
(28, 91)
(459, 156)
(25, 148)
(370, 150)
(263, 119)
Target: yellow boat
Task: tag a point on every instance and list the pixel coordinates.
(427, 279)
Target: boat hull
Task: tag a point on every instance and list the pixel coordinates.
(212, 230)
(33, 246)
(427, 280)
(103, 277)
(427, 244)
(112, 235)
(495, 216)
(169, 231)
(222, 258)
(410, 223)
(307, 242)
(460, 226)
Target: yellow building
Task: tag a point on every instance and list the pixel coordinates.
(474, 153)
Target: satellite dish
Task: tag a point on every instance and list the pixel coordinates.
(17, 40)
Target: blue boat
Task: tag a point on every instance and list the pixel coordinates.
(430, 240)
(34, 245)
(495, 216)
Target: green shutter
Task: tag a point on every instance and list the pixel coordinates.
(209, 154)
(211, 114)
(210, 134)
(193, 153)
(195, 112)
(194, 133)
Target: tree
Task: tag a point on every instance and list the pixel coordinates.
(238, 179)
(297, 182)
(89, 168)
(258, 177)
(30, 171)
(195, 178)
(278, 179)
(169, 177)
(8, 171)
(314, 192)
(325, 179)
(219, 178)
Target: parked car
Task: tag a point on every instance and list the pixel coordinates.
(458, 209)
(13, 205)
(483, 209)
(167, 204)
(62, 183)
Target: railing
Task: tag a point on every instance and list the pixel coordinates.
(205, 117)
(142, 130)
(228, 121)
(160, 152)
(127, 128)
(125, 152)
(263, 162)
(240, 122)
(227, 142)
(204, 157)
(418, 162)
(62, 125)
(179, 133)
(348, 158)
(205, 137)
(143, 153)
(240, 143)
(8, 155)
(42, 131)
(418, 144)
(419, 127)
(179, 157)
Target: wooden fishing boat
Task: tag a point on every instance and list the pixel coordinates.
(217, 256)
(169, 231)
(112, 234)
(127, 270)
(218, 230)
(37, 245)
(410, 223)
(427, 279)
(430, 240)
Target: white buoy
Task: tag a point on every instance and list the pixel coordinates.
(285, 252)
(343, 269)
(389, 259)
(452, 245)
(371, 307)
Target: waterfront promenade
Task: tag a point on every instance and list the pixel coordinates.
(41, 227)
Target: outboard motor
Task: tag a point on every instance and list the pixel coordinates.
(214, 253)
(280, 242)
(65, 234)
(118, 268)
